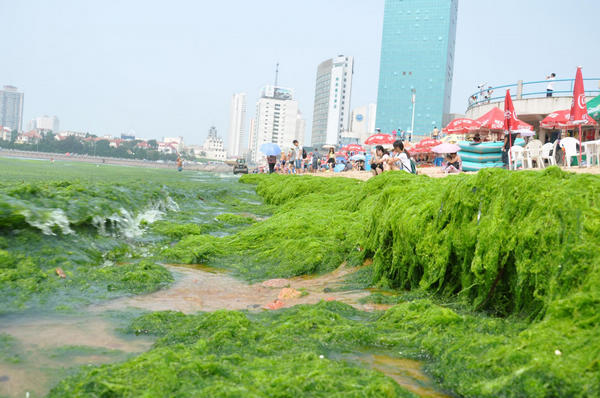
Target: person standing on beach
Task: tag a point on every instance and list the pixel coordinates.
(435, 133)
(297, 156)
(506, 147)
(316, 160)
(271, 160)
(550, 86)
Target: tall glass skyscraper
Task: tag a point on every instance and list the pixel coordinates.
(417, 56)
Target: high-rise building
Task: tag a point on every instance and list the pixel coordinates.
(46, 123)
(362, 123)
(417, 62)
(213, 146)
(276, 120)
(237, 124)
(11, 108)
(332, 100)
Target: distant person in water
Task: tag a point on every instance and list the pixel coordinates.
(179, 163)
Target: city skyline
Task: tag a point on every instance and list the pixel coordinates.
(162, 71)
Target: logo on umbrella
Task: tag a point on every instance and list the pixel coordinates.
(581, 102)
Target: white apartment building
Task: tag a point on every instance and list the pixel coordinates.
(46, 123)
(237, 121)
(333, 90)
(213, 146)
(5, 133)
(276, 121)
(362, 122)
(176, 141)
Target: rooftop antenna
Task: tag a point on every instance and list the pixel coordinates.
(276, 74)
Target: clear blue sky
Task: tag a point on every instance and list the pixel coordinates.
(169, 68)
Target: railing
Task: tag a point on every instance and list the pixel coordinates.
(536, 89)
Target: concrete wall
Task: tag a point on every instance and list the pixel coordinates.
(529, 110)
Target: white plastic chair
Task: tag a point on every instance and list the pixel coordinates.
(533, 152)
(548, 153)
(516, 156)
(569, 146)
(591, 151)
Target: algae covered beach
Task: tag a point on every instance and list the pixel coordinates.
(130, 282)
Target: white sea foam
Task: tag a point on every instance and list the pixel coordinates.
(48, 221)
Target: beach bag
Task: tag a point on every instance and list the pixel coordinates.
(413, 166)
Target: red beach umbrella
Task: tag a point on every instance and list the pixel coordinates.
(428, 142)
(578, 114)
(379, 139)
(493, 120)
(462, 126)
(521, 125)
(510, 120)
(353, 148)
(555, 119)
(561, 119)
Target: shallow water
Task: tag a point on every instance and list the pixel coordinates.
(201, 288)
(52, 347)
(408, 373)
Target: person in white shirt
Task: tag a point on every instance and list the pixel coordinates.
(550, 86)
(297, 156)
(399, 159)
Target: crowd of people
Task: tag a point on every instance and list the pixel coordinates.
(297, 161)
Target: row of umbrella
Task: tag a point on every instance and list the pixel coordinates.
(492, 121)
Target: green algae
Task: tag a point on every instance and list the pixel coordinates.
(524, 246)
(297, 239)
(235, 219)
(471, 354)
(178, 231)
(228, 353)
(84, 219)
(10, 349)
(69, 352)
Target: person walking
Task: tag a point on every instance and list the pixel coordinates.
(297, 156)
(271, 160)
(435, 133)
(550, 86)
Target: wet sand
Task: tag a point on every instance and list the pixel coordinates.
(201, 288)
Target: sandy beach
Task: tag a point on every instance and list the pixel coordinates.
(436, 172)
